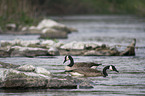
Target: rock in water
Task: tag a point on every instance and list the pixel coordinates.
(28, 51)
(53, 48)
(50, 33)
(50, 29)
(130, 50)
(73, 45)
(49, 23)
(53, 51)
(28, 76)
(40, 70)
(26, 68)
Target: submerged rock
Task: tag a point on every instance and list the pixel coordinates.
(61, 84)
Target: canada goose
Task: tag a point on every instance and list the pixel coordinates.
(92, 72)
(77, 65)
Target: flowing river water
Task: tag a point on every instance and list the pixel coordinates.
(111, 30)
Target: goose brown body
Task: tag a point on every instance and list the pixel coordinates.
(77, 65)
(86, 64)
(82, 65)
(87, 72)
(92, 72)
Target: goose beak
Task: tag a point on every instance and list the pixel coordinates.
(116, 71)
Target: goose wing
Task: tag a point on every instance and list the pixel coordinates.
(86, 64)
(88, 72)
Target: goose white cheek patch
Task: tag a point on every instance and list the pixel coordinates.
(111, 68)
(67, 58)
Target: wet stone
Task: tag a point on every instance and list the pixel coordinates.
(54, 48)
(27, 76)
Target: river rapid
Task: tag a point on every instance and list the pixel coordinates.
(107, 29)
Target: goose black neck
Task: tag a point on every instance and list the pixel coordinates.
(104, 71)
(71, 62)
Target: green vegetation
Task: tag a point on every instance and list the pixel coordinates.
(27, 12)
(16, 11)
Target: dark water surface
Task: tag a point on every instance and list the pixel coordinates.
(110, 30)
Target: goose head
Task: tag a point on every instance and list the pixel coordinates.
(111, 68)
(67, 57)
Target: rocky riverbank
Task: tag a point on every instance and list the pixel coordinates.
(53, 48)
(47, 29)
(29, 76)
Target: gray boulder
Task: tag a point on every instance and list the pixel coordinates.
(12, 78)
(48, 28)
(53, 51)
(28, 51)
(53, 48)
(73, 46)
(40, 70)
(4, 52)
(16, 76)
(50, 33)
(130, 50)
(47, 43)
(26, 68)
(93, 49)
(102, 52)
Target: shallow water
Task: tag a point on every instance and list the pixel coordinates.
(110, 30)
